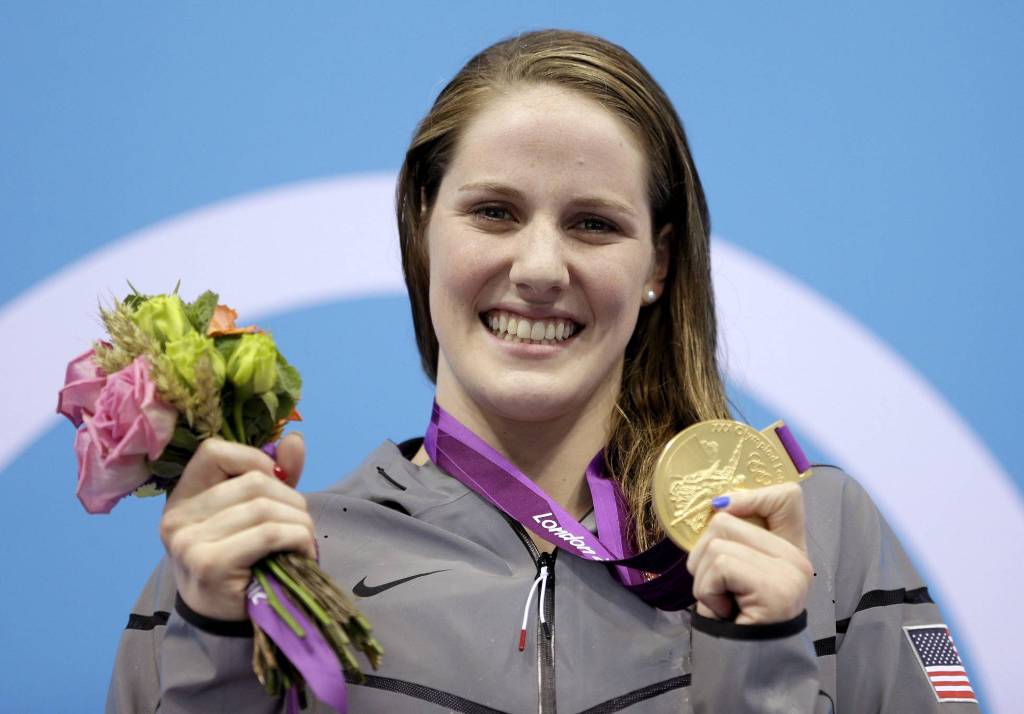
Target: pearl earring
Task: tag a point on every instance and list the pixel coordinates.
(651, 296)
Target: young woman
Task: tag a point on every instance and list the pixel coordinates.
(555, 245)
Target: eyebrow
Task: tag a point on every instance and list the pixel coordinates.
(592, 201)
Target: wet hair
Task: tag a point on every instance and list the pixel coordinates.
(670, 376)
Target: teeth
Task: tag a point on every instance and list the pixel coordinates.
(512, 328)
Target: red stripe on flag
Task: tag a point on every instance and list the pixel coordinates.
(963, 694)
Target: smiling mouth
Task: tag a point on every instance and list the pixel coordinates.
(515, 328)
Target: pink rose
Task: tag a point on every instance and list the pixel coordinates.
(129, 423)
(82, 384)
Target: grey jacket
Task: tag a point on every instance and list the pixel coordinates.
(444, 578)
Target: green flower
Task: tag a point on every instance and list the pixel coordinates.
(186, 351)
(163, 318)
(252, 367)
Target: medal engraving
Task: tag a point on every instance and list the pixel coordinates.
(711, 459)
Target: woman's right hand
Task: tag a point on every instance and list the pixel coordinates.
(228, 511)
(765, 571)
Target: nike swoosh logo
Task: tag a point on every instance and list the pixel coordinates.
(363, 590)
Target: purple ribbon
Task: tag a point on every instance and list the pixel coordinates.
(796, 454)
(469, 459)
(310, 654)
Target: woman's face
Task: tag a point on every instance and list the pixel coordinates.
(542, 226)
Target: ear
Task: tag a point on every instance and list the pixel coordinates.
(662, 256)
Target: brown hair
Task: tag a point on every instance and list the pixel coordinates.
(670, 377)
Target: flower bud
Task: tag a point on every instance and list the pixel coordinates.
(185, 352)
(163, 318)
(252, 367)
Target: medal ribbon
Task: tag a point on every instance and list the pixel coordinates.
(309, 652)
(476, 464)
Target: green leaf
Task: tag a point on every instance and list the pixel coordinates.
(184, 439)
(285, 406)
(270, 399)
(133, 301)
(174, 455)
(148, 490)
(166, 469)
(226, 345)
(200, 312)
(135, 298)
(289, 381)
(259, 421)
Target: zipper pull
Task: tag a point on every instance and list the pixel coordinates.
(547, 563)
(542, 581)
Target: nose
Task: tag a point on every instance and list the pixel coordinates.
(539, 268)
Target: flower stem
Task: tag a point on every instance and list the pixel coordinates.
(298, 591)
(239, 424)
(225, 431)
(276, 605)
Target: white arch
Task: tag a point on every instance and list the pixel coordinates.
(334, 239)
(272, 251)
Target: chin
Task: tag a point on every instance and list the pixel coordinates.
(537, 402)
(522, 410)
(529, 394)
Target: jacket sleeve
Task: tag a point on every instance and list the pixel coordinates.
(135, 683)
(206, 666)
(885, 607)
(753, 668)
(172, 660)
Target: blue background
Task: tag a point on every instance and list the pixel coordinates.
(873, 152)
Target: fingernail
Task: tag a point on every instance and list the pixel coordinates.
(719, 502)
(281, 474)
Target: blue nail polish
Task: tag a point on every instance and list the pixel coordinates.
(719, 502)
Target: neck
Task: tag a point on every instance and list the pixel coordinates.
(553, 453)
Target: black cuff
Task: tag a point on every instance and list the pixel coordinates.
(732, 631)
(224, 628)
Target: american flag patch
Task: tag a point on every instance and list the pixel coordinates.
(941, 663)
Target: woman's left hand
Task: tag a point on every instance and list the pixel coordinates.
(765, 571)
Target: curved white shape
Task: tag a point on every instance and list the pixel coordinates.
(327, 240)
(287, 248)
(868, 408)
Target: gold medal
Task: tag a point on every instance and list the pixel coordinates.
(710, 459)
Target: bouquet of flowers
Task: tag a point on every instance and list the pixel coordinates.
(175, 373)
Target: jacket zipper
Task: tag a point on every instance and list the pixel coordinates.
(546, 703)
(546, 638)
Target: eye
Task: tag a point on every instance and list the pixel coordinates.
(492, 213)
(593, 224)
